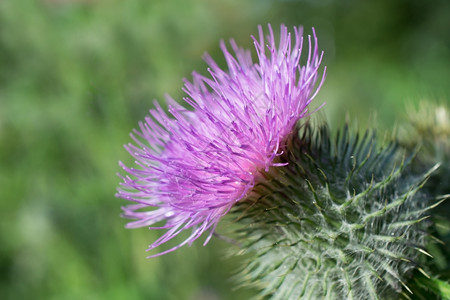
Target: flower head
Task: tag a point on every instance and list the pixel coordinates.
(194, 165)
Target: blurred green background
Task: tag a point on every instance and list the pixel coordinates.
(77, 76)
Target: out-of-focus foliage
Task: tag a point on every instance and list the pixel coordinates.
(380, 54)
(75, 78)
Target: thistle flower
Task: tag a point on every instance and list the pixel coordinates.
(429, 126)
(194, 165)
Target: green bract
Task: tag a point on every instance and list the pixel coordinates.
(344, 219)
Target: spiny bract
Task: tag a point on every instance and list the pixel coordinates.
(342, 220)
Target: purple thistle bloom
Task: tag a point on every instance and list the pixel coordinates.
(195, 164)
